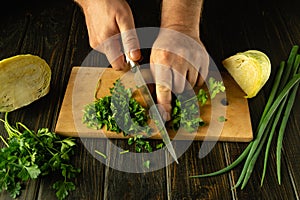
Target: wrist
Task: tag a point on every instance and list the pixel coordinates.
(182, 16)
(191, 31)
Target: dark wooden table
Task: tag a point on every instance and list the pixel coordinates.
(55, 30)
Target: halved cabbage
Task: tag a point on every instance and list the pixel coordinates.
(250, 69)
(23, 79)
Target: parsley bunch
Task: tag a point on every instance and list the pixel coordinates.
(30, 155)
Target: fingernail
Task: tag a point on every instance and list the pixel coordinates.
(135, 54)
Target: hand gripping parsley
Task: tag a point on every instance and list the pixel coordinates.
(30, 155)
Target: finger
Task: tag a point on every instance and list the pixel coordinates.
(119, 64)
(112, 50)
(203, 75)
(200, 81)
(129, 36)
(163, 81)
(179, 78)
(192, 76)
(204, 65)
(146, 73)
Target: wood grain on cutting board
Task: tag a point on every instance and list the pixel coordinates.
(81, 91)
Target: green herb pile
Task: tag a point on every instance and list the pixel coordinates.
(117, 109)
(274, 119)
(119, 112)
(30, 155)
(185, 111)
(121, 109)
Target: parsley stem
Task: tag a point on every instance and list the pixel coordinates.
(29, 131)
(101, 154)
(10, 130)
(3, 140)
(190, 99)
(123, 152)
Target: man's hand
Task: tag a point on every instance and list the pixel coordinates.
(178, 62)
(105, 19)
(178, 57)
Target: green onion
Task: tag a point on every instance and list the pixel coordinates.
(275, 122)
(274, 88)
(290, 62)
(263, 125)
(285, 118)
(254, 158)
(280, 99)
(229, 167)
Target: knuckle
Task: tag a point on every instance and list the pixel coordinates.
(164, 55)
(162, 88)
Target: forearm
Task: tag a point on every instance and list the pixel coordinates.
(182, 15)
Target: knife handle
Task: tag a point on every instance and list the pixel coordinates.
(133, 65)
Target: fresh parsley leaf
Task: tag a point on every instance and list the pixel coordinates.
(14, 190)
(160, 145)
(146, 164)
(215, 87)
(62, 189)
(33, 171)
(202, 97)
(222, 119)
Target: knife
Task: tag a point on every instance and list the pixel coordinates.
(154, 113)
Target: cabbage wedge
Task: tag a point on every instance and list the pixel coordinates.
(250, 69)
(23, 79)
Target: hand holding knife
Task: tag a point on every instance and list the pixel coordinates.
(154, 113)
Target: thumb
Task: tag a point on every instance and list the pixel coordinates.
(129, 36)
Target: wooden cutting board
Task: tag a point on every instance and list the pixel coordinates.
(84, 81)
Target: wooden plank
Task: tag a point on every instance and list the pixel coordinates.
(81, 90)
(181, 186)
(134, 184)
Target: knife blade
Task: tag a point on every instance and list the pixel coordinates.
(154, 113)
